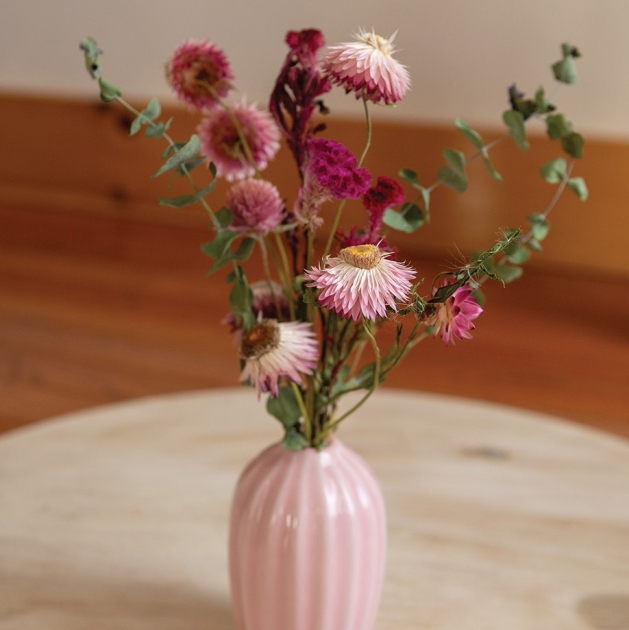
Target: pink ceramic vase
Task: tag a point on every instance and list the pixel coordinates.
(307, 541)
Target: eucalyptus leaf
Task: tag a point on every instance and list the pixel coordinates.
(294, 441)
(108, 91)
(152, 110)
(245, 249)
(452, 179)
(508, 273)
(519, 255)
(469, 133)
(407, 220)
(539, 228)
(557, 126)
(565, 70)
(187, 200)
(410, 176)
(572, 144)
(220, 245)
(285, 407)
(578, 186)
(489, 166)
(456, 161)
(554, 171)
(515, 123)
(182, 155)
(224, 216)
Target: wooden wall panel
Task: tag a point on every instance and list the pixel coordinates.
(76, 155)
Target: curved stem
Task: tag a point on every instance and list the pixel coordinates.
(369, 130)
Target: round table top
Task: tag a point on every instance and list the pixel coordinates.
(499, 519)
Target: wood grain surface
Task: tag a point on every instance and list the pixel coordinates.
(497, 519)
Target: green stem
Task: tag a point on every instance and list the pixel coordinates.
(376, 379)
(303, 410)
(369, 130)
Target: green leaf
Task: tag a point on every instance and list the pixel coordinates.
(135, 126)
(187, 200)
(241, 299)
(285, 407)
(220, 245)
(182, 155)
(294, 441)
(245, 249)
(456, 160)
(469, 133)
(410, 176)
(489, 166)
(508, 273)
(518, 255)
(224, 216)
(152, 110)
(565, 70)
(578, 186)
(407, 220)
(108, 91)
(543, 106)
(426, 200)
(557, 126)
(515, 123)
(449, 177)
(572, 144)
(539, 226)
(91, 53)
(554, 171)
(535, 245)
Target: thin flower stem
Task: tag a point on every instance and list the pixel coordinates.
(376, 379)
(335, 224)
(369, 131)
(303, 410)
(267, 274)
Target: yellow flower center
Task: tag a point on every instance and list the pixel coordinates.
(377, 42)
(260, 339)
(363, 256)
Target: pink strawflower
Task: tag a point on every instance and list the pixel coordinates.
(331, 172)
(367, 67)
(272, 350)
(199, 72)
(453, 318)
(256, 206)
(221, 143)
(361, 282)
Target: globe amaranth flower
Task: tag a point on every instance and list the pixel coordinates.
(361, 282)
(199, 73)
(367, 68)
(221, 142)
(272, 350)
(256, 206)
(331, 172)
(453, 318)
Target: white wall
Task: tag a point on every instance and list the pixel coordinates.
(462, 54)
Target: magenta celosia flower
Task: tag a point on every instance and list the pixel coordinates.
(199, 72)
(272, 350)
(221, 142)
(331, 172)
(298, 90)
(367, 67)
(453, 318)
(361, 282)
(386, 193)
(256, 206)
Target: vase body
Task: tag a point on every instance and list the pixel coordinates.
(307, 541)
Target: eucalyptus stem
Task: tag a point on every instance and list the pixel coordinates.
(171, 143)
(335, 224)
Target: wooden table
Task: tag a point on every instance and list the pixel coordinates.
(116, 518)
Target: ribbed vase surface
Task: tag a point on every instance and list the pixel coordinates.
(307, 541)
